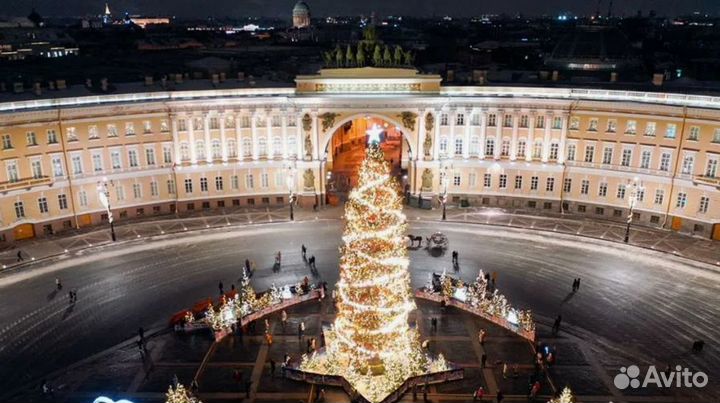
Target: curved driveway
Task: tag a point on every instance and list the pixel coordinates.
(639, 302)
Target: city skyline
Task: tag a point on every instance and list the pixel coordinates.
(319, 8)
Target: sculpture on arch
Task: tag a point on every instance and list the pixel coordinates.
(408, 119)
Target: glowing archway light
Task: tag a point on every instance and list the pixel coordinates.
(104, 399)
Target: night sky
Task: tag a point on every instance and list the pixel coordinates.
(282, 8)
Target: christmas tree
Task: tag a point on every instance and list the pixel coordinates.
(371, 343)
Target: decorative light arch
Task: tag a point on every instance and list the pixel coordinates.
(408, 134)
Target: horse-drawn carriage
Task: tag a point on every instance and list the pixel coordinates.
(437, 240)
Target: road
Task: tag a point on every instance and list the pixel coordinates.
(640, 302)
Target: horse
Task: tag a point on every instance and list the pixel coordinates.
(413, 239)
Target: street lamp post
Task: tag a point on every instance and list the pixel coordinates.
(291, 188)
(104, 196)
(633, 188)
(444, 187)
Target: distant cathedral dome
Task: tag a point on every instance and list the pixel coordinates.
(301, 15)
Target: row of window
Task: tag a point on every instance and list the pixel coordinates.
(235, 182)
(631, 126)
(507, 120)
(232, 148)
(213, 122)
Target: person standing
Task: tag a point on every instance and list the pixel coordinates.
(58, 284)
(478, 395)
(221, 288)
(20, 256)
(505, 370)
(556, 325)
(577, 286)
(304, 251)
(534, 390)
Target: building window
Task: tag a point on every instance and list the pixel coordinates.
(474, 145)
(7, 142)
(631, 127)
(611, 126)
(200, 149)
(19, 210)
(43, 205)
(184, 152)
(214, 123)
(52, 137)
(659, 196)
(645, 159)
(585, 187)
(292, 150)
(458, 146)
(31, 139)
(456, 179)
(518, 181)
(245, 121)
(554, 147)
(589, 153)
(521, 145)
(507, 121)
(650, 129)
(188, 186)
(550, 185)
(607, 155)
(688, 164)
(505, 150)
(593, 125)
(132, 159)
(443, 119)
(82, 198)
(671, 131)
(704, 203)
(120, 193)
(665, 162)
(567, 185)
(112, 130)
(129, 129)
(167, 155)
(489, 146)
(640, 195)
(711, 168)
(12, 171)
(599, 211)
(681, 200)
(277, 145)
(246, 147)
(487, 180)
(503, 181)
(57, 166)
(115, 159)
(533, 183)
(36, 167)
(264, 181)
(219, 183)
(77, 165)
(216, 150)
(71, 134)
(280, 179)
(97, 162)
(523, 121)
(197, 123)
(150, 156)
(262, 146)
(137, 191)
(460, 119)
(491, 120)
(557, 122)
(234, 182)
(443, 145)
(231, 148)
(537, 149)
(694, 133)
(203, 185)
(602, 190)
(249, 181)
(626, 157)
(716, 136)
(182, 125)
(572, 148)
(171, 186)
(540, 122)
(621, 191)
(475, 119)
(154, 189)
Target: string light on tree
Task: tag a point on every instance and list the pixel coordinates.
(566, 396)
(371, 344)
(180, 395)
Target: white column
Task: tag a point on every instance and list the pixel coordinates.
(208, 143)
(253, 128)
(300, 140)
(238, 137)
(176, 138)
(283, 122)
(483, 132)
(546, 140)
(466, 140)
(223, 141)
(530, 143)
(499, 122)
(513, 141)
(451, 139)
(563, 137)
(270, 142)
(191, 136)
(317, 153)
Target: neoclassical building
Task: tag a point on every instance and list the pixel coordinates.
(157, 150)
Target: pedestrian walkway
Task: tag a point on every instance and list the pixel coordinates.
(700, 249)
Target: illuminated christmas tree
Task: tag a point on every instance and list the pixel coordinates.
(371, 343)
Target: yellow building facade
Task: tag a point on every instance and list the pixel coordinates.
(531, 149)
